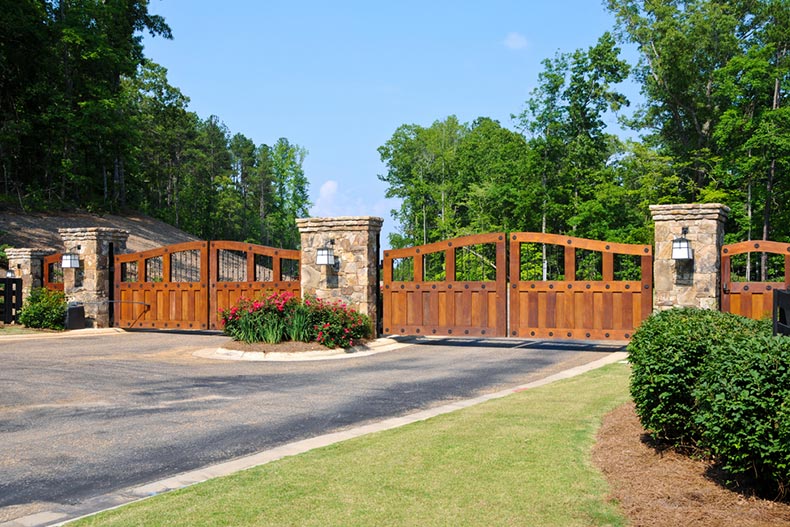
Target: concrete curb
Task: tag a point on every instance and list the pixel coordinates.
(371, 348)
(65, 514)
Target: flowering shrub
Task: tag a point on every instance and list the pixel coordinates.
(335, 324)
(251, 320)
(282, 315)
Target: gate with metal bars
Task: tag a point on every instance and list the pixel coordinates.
(183, 286)
(528, 285)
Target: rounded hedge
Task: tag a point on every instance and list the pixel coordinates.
(743, 410)
(44, 309)
(667, 355)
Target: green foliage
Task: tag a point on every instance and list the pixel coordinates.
(715, 76)
(87, 122)
(282, 315)
(272, 326)
(300, 329)
(44, 309)
(744, 410)
(668, 355)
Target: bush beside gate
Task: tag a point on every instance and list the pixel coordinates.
(717, 384)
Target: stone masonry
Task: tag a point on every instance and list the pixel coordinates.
(356, 246)
(90, 284)
(699, 285)
(27, 264)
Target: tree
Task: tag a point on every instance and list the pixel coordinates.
(715, 77)
(422, 171)
(497, 195)
(65, 122)
(291, 199)
(568, 140)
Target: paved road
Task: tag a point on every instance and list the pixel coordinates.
(83, 416)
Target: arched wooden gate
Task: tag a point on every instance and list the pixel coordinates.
(183, 286)
(521, 285)
(741, 294)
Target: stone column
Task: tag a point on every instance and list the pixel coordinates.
(695, 283)
(356, 281)
(28, 264)
(90, 284)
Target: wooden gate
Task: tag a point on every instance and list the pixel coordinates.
(183, 286)
(53, 272)
(742, 296)
(559, 287)
(565, 287)
(454, 287)
(10, 299)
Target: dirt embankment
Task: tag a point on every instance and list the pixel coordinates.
(41, 230)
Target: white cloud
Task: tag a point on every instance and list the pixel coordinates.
(325, 206)
(515, 41)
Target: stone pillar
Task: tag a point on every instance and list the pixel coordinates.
(90, 284)
(28, 264)
(695, 283)
(356, 282)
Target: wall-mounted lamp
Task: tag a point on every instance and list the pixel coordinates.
(10, 274)
(681, 247)
(70, 261)
(326, 256)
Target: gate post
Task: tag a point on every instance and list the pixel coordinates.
(688, 283)
(90, 284)
(356, 246)
(28, 264)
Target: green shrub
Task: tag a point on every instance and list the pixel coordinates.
(667, 355)
(44, 309)
(744, 410)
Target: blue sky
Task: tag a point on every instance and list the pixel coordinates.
(339, 77)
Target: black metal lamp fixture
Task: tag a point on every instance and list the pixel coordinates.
(681, 247)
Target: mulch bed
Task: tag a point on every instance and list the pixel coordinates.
(289, 346)
(661, 488)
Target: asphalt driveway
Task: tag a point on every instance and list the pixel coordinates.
(84, 416)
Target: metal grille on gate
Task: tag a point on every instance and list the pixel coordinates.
(183, 286)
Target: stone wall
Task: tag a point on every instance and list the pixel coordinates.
(356, 282)
(688, 284)
(27, 264)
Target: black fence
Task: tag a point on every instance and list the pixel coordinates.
(781, 312)
(10, 299)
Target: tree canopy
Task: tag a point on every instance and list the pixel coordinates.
(714, 126)
(86, 121)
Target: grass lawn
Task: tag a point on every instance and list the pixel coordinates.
(15, 329)
(520, 460)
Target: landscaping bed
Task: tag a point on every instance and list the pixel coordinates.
(658, 487)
